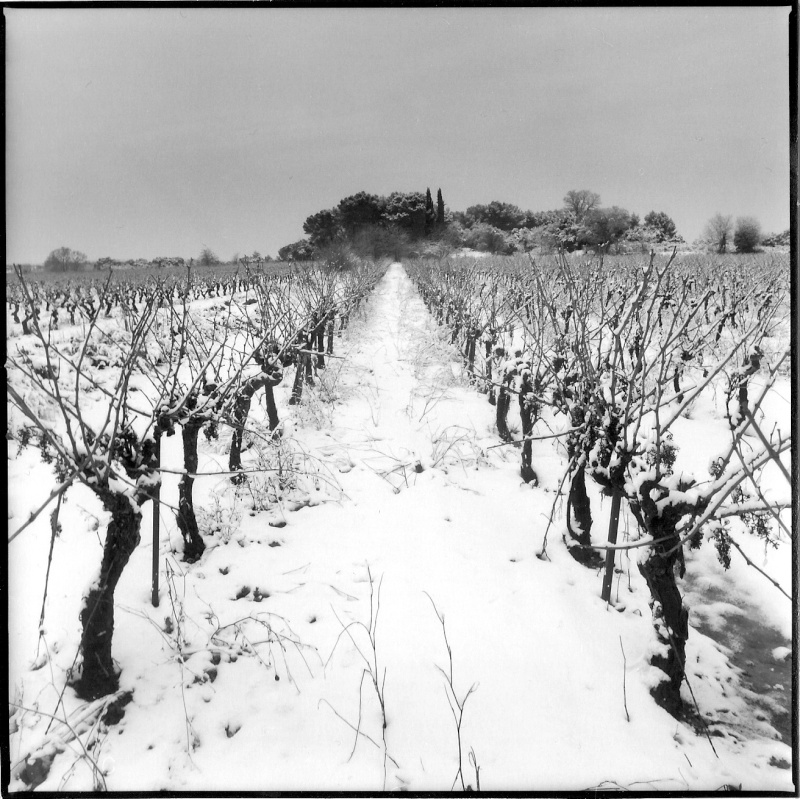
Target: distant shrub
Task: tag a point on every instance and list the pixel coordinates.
(437, 249)
(299, 251)
(336, 256)
(207, 257)
(526, 239)
(453, 234)
(563, 233)
(164, 262)
(777, 239)
(604, 226)
(381, 241)
(747, 235)
(486, 238)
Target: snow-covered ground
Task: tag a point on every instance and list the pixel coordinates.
(305, 650)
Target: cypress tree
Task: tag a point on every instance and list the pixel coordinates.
(439, 209)
(430, 214)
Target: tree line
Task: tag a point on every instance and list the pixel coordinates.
(410, 224)
(65, 259)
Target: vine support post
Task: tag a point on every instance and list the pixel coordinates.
(613, 526)
(156, 518)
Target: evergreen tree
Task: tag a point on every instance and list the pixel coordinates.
(430, 213)
(407, 211)
(661, 224)
(504, 216)
(439, 209)
(360, 209)
(323, 227)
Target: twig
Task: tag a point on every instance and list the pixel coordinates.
(363, 734)
(56, 492)
(768, 446)
(53, 534)
(371, 665)
(624, 688)
(537, 438)
(456, 705)
(760, 571)
(474, 763)
(95, 768)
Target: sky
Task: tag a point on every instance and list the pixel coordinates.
(157, 132)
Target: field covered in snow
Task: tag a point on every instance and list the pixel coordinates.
(385, 604)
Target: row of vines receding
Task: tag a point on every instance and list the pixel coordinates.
(98, 371)
(604, 357)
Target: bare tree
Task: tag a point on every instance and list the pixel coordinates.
(581, 201)
(718, 232)
(64, 259)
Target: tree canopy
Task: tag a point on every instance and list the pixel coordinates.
(605, 225)
(718, 232)
(581, 201)
(408, 211)
(64, 259)
(207, 257)
(747, 235)
(662, 225)
(360, 209)
(323, 227)
(298, 251)
(503, 216)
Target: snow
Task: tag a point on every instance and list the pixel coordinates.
(258, 663)
(781, 653)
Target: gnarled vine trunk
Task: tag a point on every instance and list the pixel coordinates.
(488, 371)
(528, 412)
(193, 546)
(671, 623)
(670, 618)
(469, 353)
(241, 410)
(318, 337)
(580, 507)
(297, 385)
(579, 522)
(98, 676)
(272, 408)
(502, 406)
(331, 328)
